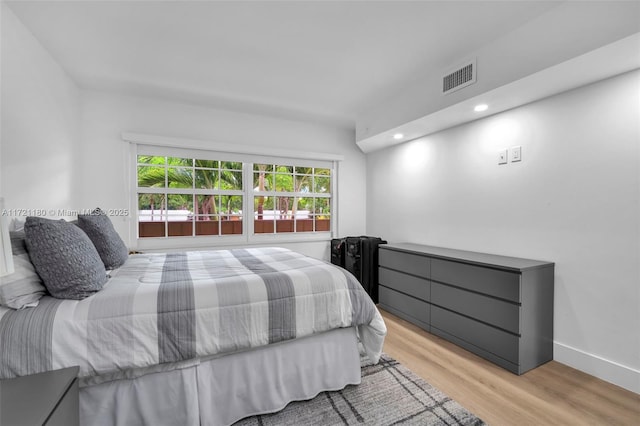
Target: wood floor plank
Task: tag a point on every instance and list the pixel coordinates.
(552, 394)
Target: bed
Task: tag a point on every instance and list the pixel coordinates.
(203, 337)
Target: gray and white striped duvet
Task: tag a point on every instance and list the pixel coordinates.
(160, 308)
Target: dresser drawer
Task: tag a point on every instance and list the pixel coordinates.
(414, 286)
(502, 284)
(502, 314)
(405, 262)
(500, 343)
(408, 305)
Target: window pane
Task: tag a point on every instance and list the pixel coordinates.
(206, 179)
(322, 223)
(230, 180)
(284, 225)
(263, 206)
(321, 214)
(263, 181)
(303, 207)
(231, 205)
(151, 215)
(232, 217)
(180, 177)
(283, 207)
(261, 226)
(151, 176)
(304, 170)
(283, 214)
(322, 206)
(303, 183)
(180, 205)
(284, 169)
(322, 184)
(152, 202)
(207, 224)
(177, 161)
(264, 215)
(301, 211)
(148, 159)
(262, 167)
(180, 215)
(304, 225)
(284, 182)
(231, 165)
(207, 206)
(208, 164)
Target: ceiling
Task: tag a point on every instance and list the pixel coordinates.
(323, 61)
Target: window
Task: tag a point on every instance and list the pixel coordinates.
(180, 197)
(291, 199)
(193, 194)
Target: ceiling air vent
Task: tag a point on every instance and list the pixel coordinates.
(459, 77)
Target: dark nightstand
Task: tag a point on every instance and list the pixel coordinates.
(49, 398)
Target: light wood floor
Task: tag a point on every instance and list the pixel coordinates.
(552, 394)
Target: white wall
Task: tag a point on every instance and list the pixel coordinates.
(574, 200)
(40, 124)
(106, 115)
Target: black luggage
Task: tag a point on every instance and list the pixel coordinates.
(338, 251)
(352, 257)
(361, 259)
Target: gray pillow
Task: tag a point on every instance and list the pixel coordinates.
(24, 287)
(100, 230)
(64, 257)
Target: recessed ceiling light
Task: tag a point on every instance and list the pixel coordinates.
(481, 107)
(398, 136)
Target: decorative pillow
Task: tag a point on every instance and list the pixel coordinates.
(100, 230)
(64, 257)
(24, 287)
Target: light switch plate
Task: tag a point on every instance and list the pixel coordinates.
(502, 157)
(516, 154)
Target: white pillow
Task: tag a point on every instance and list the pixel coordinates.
(23, 288)
(16, 225)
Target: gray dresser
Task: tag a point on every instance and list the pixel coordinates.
(498, 307)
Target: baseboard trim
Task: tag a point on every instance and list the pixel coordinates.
(607, 370)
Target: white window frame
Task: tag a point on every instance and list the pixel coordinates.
(140, 144)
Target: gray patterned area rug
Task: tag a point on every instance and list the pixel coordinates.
(389, 394)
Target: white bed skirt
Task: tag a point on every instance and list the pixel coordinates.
(221, 391)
